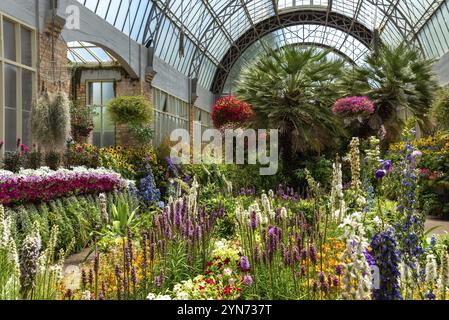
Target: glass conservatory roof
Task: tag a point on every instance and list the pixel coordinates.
(86, 53)
(210, 28)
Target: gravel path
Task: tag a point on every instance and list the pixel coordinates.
(442, 225)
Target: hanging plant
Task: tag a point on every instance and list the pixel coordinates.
(50, 121)
(231, 112)
(354, 106)
(131, 110)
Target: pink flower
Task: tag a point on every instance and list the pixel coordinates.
(354, 105)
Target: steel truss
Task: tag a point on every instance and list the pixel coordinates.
(330, 19)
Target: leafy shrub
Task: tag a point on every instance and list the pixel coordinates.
(130, 110)
(52, 160)
(76, 218)
(440, 109)
(12, 161)
(34, 160)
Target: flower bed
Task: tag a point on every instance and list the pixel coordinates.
(44, 184)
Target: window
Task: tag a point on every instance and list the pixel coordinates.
(100, 94)
(17, 81)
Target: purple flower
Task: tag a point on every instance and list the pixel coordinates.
(381, 174)
(388, 165)
(254, 220)
(248, 280)
(339, 270)
(244, 264)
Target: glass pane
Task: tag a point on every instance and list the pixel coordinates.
(108, 124)
(10, 86)
(97, 119)
(27, 89)
(26, 47)
(109, 139)
(26, 127)
(96, 139)
(10, 129)
(95, 93)
(9, 36)
(108, 92)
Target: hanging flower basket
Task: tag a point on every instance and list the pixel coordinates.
(354, 107)
(231, 112)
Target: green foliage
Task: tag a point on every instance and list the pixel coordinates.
(13, 161)
(130, 110)
(292, 90)
(50, 121)
(34, 159)
(52, 160)
(142, 133)
(440, 109)
(75, 217)
(81, 121)
(122, 218)
(397, 79)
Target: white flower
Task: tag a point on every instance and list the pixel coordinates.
(431, 269)
(86, 295)
(377, 221)
(182, 295)
(227, 271)
(284, 213)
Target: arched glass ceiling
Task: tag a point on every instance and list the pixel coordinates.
(80, 52)
(344, 46)
(423, 23)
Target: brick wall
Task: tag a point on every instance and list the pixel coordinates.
(124, 87)
(53, 74)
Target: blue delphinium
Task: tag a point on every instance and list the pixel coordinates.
(147, 191)
(387, 258)
(411, 230)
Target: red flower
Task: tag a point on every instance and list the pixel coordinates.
(210, 281)
(238, 290)
(231, 110)
(210, 263)
(227, 290)
(202, 287)
(208, 272)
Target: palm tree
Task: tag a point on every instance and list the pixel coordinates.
(401, 84)
(292, 89)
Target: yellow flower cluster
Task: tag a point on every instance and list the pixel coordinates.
(438, 144)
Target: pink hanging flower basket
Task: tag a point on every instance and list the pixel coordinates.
(354, 106)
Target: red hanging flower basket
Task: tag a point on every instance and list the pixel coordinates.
(231, 111)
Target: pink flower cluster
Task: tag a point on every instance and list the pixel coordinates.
(354, 105)
(22, 188)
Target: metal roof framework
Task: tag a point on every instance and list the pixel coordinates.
(214, 31)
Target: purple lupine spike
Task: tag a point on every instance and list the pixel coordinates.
(134, 275)
(221, 212)
(254, 220)
(152, 251)
(312, 254)
(91, 277)
(244, 264)
(83, 278)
